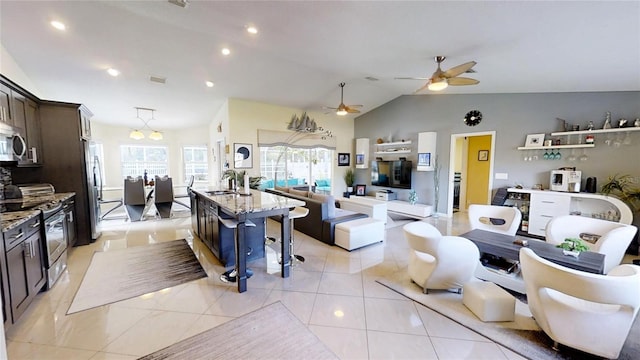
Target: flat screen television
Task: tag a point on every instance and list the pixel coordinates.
(395, 174)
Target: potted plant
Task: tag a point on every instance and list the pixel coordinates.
(254, 181)
(573, 246)
(349, 179)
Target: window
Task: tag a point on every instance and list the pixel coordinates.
(195, 163)
(296, 167)
(135, 159)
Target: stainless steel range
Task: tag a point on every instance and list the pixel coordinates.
(55, 230)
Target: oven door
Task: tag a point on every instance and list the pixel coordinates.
(55, 237)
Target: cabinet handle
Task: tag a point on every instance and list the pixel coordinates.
(17, 236)
(35, 225)
(28, 249)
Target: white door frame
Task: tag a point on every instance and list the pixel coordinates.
(452, 159)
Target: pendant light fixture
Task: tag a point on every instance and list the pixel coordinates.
(139, 135)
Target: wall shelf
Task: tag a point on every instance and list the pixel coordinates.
(406, 148)
(556, 147)
(596, 131)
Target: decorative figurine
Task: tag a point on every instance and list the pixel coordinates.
(636, 123)
(607, 121)
(622, 123)
(590, 126)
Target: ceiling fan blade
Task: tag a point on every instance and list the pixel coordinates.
(457, 81)
(329, 108)
(411, 78)
(352, 111)
(457, 70)
(423, 87)
(358, 106)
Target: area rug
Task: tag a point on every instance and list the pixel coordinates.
(271, 332)
(127, 273)
(522, 336)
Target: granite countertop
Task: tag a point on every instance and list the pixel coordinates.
(15, 212)
(238, 203)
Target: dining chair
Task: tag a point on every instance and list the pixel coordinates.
(135, 201)
(163, 195)
(186, 195)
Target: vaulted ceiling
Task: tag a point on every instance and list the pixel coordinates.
(304, 49)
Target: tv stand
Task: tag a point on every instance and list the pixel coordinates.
(404, 208)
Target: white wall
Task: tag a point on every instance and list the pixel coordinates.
(246, 117)
(239, 120)
(11, 69)
(112, 137)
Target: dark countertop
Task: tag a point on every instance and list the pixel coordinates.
(15, 212)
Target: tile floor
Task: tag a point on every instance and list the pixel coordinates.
(376, 323)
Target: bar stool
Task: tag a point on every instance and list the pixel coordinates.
(296, 213)
(230, 276)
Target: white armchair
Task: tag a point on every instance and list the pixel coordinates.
(589, 312)
(499, 219)
(613, 242)
(439, 262)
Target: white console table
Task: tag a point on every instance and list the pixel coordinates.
(376, 209)
(405, 208)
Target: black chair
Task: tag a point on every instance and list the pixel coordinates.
(189, 185)
(163, 196)
(135, 201)
(118, 203)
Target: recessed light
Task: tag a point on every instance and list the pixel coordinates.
(226, 51)
(58, 25)
(252, 30)
(113, 72)
(209, 84)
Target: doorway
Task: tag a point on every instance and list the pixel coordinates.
(470, 170)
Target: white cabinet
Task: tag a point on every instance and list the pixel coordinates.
(544, 205)
(426, 151)
(362, 153)
(543, 208)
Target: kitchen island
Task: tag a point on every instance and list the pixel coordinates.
(211, 204)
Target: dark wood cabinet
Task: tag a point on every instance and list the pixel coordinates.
(5, 105)
(221, 240)
(20, 109)
(66, 162)
(24, 266)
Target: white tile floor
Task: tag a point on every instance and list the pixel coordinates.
(374, 322)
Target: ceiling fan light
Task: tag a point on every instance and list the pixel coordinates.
(156, 135)
(438, 86)
(341, 112)
(136, 135)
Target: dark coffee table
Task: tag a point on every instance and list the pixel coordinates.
(502, 245)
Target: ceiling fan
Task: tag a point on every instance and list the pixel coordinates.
(440, 80)
(343, 109)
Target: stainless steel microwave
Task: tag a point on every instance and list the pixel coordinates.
(13, 148)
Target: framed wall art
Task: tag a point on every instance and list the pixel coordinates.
(242, 156)
(361, 190)
(483, 155)
(344, 159)
(424, 159)
(534, 140)
(359, 159)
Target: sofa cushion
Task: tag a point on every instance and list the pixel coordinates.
(283, 189)
(304, 193)
(329, 200)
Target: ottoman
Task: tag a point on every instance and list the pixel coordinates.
(488, 301)
(355, 234)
